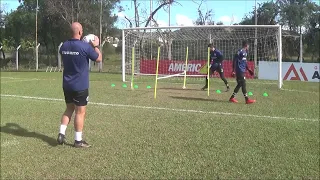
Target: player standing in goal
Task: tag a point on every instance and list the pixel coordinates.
(216, 59)
(239, 68)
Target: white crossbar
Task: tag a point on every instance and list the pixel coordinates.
(169, 76)
(188, 75)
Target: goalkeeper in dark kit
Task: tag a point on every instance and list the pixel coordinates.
(216, 59)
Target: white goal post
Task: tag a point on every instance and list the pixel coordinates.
(189, 44)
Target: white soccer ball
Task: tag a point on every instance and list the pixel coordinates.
(88, 38)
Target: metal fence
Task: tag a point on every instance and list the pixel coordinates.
(42, 58)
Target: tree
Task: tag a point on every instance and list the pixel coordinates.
(298, 17)
(144, 19)
(266, 15)
(312, 35)
(204, 18)
(86, 12)
(220, 23)
(295, 14)
(18, 25)
(54, 18)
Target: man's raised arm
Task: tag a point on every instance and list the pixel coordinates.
(95, 44)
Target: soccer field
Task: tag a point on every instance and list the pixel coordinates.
(181, 134)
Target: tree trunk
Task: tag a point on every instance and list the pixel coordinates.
(72, 17)
(156, 10)
(149, 19)
(78, 10)
(136, 13)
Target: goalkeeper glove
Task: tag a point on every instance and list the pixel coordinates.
(251, 72)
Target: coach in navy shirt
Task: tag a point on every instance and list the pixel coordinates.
(75, 56)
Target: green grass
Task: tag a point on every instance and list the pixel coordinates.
(178, 135)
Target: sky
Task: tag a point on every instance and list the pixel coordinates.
(186, 13)
(183, 14)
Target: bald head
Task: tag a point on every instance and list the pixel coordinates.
(76, 30)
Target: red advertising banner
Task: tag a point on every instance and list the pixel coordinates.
(168, 67)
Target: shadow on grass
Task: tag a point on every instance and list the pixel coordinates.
(180, 89)
(17, 130)
(198, 99)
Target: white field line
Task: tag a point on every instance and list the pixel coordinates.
(4, 77)
(168, 109)
(295, 90)
(195, 84)
(248, 81)
(19, 80)
(211, 80)
(229, 80)
(15, 79)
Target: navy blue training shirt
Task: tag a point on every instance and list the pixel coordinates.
(75, 57)
(241, 61)
(216, 56)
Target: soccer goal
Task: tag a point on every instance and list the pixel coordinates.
(180, 53)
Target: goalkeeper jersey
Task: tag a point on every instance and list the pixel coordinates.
(216, 56)
(241, 61)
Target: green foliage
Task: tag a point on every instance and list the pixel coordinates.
(293, 16)
(312, 35)
(27, 45)
(302, 14)
(119, 48)
(7, 44)
(266, 14)
(54, 19)
(220, 23)
(20, 24)
(108, 49)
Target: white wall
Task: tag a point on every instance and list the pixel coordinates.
(290, 71)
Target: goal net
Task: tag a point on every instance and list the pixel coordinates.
(183, 51)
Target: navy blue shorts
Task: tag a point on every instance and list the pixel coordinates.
(217, 67)
(79, 98)
(240, 77)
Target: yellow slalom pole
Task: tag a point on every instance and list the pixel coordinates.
(132, 68)
(208, 70)
(157, 70)
(185, 70)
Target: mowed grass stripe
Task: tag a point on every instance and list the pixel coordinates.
(130, 143)
(173, 137)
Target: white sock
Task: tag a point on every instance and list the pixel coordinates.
(78, 136)
(63, 129)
